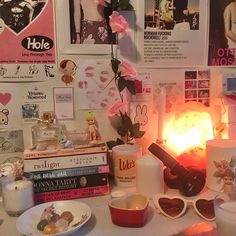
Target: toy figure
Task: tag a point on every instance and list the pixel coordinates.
(65, 142)
(228, 179)
(92, 128)
(225, 173)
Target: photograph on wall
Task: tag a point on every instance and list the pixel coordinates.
(170, 32)
(197, 86)
(89, 22)
(28, 26)
(222, 33)
(84, 27)
(30, 112)
(11, 141)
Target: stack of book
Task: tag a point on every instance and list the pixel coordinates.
(67, 173)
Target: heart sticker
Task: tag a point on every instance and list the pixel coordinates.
(5, 98)
(18, 15)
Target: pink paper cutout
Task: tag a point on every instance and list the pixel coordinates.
(5, 98)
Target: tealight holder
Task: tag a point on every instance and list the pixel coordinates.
(16, 190)
(17, 195)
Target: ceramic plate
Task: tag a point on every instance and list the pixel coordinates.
(27, 222)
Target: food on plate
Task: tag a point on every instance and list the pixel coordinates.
(52, 222)
(67, 215)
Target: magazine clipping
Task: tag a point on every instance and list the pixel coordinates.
(169, 32)
(222, 33)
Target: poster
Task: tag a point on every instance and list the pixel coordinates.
(222, 33)
(170, 31)
(28, 27)
(96, 86)
(67, 33)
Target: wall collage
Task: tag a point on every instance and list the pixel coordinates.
(182, 46)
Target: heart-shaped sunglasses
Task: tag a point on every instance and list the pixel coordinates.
(175, 206)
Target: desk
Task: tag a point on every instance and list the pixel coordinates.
(100, 223)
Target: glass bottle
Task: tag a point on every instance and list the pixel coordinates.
(45, 134)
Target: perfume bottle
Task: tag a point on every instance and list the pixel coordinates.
(45, 134)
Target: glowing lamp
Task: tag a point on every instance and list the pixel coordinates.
(186, 134)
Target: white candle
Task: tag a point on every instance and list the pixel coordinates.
(226, 219)
(124, 157)
(161, 113)
(149, 176)
(17, 196)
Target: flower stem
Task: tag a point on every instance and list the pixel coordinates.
(109, 82)
(113, 39)
(121, 96)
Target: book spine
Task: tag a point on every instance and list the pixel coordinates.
(82, 181)
(32, 154)
(71, 194)
(68, 172)
(56, 163)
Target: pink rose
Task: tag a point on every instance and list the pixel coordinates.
(101, 2)
(117, 108)
(118, 23)
(127, 71)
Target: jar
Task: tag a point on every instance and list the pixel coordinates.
(17, 195)
(124, 159)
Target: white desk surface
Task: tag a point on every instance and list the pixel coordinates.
(100, 223)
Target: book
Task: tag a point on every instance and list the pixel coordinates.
(31, 153)
(71, 194)
(66, 161)
(67, 172)
(65, 183)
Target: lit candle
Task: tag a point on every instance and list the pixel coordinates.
(149, 176)
(161, 113)
(17, 196)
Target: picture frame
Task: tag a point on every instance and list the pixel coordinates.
(62, 15)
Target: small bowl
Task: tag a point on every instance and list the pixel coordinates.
(129, 211)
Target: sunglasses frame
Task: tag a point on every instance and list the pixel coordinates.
(187, 202)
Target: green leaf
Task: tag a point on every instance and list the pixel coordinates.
(131, 86)
(136, 126)
(137, 132)
(122, 131)
(115, 4)
(111, 144)
(126, 121)
(125, 5)
(115, 64)
(121, 84)
(119, 141)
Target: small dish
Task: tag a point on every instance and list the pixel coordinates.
(129, 211)
(28, 221)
